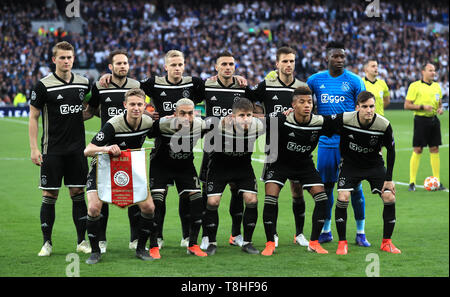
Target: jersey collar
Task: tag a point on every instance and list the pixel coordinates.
(120, 87)
(224, 86)
(372, 82)
(62, 80)
(424, 82)
(171, 83)
(343, 72)
(284, 85)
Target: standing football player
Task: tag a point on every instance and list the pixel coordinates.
(336, 90)
(108, 102)
(220, 94)
(58, 97)
(275, 94)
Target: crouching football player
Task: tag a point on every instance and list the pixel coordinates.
(125, 131)
(298, 135)
(363, 133)
(230, 162)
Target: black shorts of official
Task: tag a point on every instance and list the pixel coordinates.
(183, 174)
(351, 176)
(304, 173)
(72, 167)
(219, 175)
(427, 131)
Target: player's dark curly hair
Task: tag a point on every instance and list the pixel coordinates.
(335, 45)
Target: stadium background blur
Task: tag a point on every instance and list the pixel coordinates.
(404, 36)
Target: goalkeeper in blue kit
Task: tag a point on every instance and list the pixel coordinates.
(336, 90)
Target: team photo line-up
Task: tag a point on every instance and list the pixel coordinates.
(345, 122)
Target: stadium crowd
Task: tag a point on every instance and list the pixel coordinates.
(399, 38)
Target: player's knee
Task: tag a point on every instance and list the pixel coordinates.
(418, 149)
(316, 190)
(94, 204)
(297, 190)
(344, 196)
(214, 201)
(250, 198)
(74, 192)
(434, 149)
(50, 193)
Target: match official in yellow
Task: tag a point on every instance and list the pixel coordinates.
(424, 97)
(376, 86)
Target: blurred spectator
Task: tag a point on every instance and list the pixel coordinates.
(20, 99)
(401, 39)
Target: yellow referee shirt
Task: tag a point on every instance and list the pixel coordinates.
(422, 93)
(380, 89)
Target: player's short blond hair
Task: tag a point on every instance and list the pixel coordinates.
(172, 54)
(135, 92)
(184, 101)
(63, 45)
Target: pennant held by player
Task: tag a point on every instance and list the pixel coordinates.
(122, 180)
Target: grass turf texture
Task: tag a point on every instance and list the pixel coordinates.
(421, 232)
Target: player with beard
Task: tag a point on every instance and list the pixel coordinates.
(230, 162)
(121, 132)
(108, 102)
(220, 94)
(275, 94)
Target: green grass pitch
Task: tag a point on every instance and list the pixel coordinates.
(421, 232)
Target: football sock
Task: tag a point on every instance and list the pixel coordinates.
(236, 212)
(319, 214)
(145, 229)
(103, 222)
(162, 215)
(93, 225)
(414, 167)
(329, 191)
(275, 220)
(360, 226)
(298, 208)
(341, 219)
(158, 200)
(249, 219)
(79, 215)
(269, 216)
(359, 208)
(435, 164)
(185, 216)
(196, 209)
(211, 222)
(204, 200)
(133, 218)
(47, 215)
(388, 219)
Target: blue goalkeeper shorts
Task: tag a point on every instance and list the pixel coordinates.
(328, 159)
